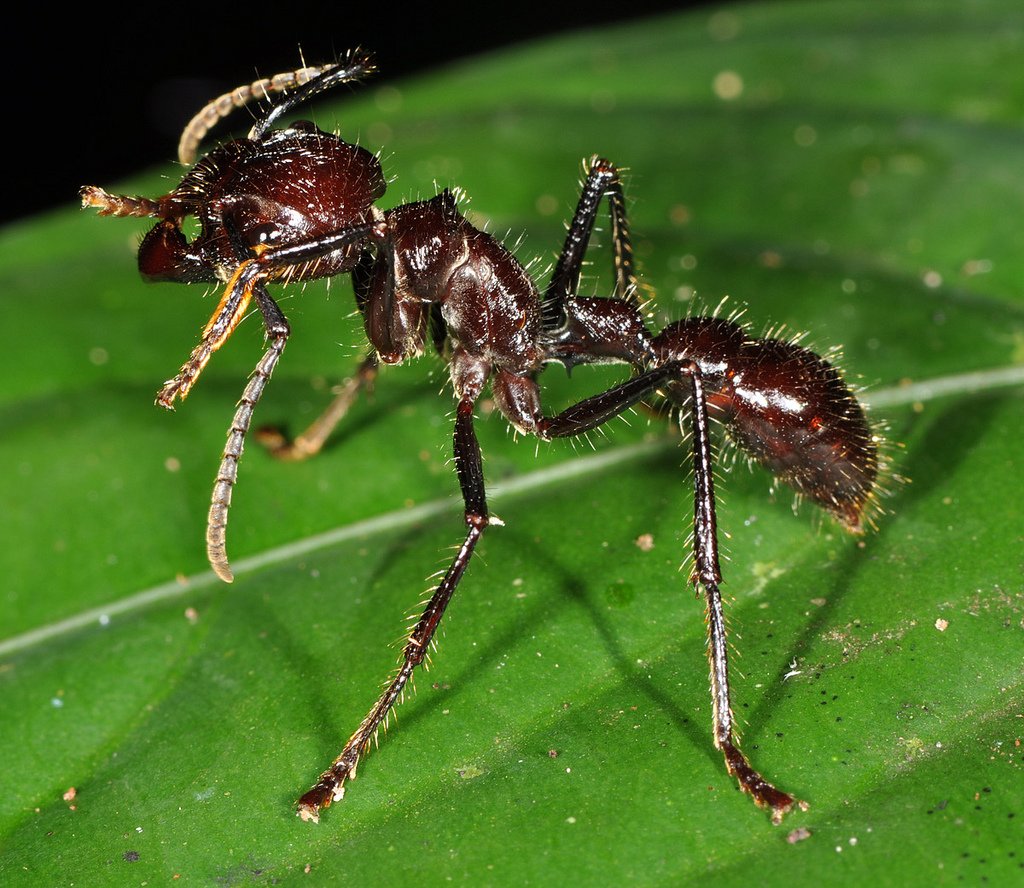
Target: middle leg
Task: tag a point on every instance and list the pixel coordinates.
(602, 181)
(311, 441)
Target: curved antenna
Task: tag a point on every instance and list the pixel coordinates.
(217, 109)
(356, 64)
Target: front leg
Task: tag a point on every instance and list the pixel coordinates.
(255, 266)
(217, 521)
(222, 324)
(311, 441)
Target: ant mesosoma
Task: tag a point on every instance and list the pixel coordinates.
(298, 203)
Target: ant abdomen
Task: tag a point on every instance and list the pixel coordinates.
(784, 406)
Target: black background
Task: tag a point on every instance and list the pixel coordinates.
(99, 93)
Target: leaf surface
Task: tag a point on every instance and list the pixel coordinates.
(845, 169)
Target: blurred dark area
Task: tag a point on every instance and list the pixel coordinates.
(101, 93)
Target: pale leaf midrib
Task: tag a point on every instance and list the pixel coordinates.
(886, 398)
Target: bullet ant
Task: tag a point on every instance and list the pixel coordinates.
(296, 203)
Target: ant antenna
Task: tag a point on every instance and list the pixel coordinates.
(315, 79)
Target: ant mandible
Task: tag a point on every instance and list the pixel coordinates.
(298, 203)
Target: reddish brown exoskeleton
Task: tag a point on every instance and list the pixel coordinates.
(296, 203)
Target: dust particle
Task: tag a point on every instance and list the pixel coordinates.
(727, 85)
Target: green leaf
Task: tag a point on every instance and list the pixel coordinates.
(848, 169)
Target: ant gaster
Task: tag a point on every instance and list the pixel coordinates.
(298, 203)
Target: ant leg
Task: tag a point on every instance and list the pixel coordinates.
(357, 64)
(594, 411)
(222, 323)
(311, 441)
(602, 180)
(598, 409)
(239, 292)
(469, 465)
(216, 525)
(708, 574)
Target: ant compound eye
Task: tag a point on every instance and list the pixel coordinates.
(268, 234)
